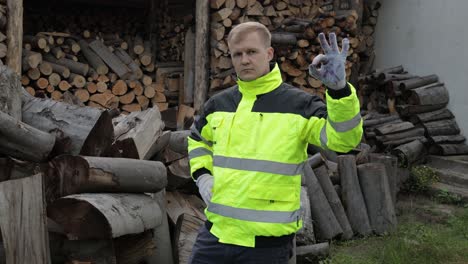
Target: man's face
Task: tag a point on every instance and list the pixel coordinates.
(251, 57)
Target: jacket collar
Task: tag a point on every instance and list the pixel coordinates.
(261, 85)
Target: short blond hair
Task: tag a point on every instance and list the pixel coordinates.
(240, 31)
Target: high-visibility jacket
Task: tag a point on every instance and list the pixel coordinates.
(253, 138)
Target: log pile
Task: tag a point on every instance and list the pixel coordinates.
(351, 197)
(97, 168)
(113, 63)
(3, 33)
(294, 26)
(408, 115)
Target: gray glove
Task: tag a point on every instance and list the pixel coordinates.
(205, 184)
(332, 71)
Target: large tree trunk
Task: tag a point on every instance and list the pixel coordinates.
(334, 200)
(442, 127)
(23, 221)
(78, 174)
(202, 53)
(353, 200)
(22, 141)
(79, 130)
(391, 163)
(10, 92)
(374, 183)
(14, 34)
(410, 153)
(326, 223)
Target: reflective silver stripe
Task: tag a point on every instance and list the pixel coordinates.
(254, 215)
(198, 152)
(346, 125)
(194, 130)
(323, 136)
(258, 165)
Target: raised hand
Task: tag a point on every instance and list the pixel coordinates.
(332, 70)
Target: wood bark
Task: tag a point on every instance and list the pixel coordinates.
(137, 133)
(79, 174)
(429, 96)
(376, 191)
(449, 149)
(202, 56)
(23, 141)
(93, 59)
(410, 153)
(352, 198)
(306, 234)
(326, 224)
(10, 93)
(334, 200)
(442, 127)
(393, 128)
(23, 221)
(418, 82)
(189, 67)
(440, 114)
(186, 231)
(78, 130)
(391, 166)
(107, 215)
(110, 59)
(447, 139)
(14, 34)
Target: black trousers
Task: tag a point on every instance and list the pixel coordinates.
(207, 250)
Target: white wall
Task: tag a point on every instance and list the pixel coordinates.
(428, 37)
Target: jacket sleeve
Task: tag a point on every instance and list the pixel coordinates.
(338, 125)
(200, 143)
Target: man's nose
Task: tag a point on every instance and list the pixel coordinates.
(245, 59)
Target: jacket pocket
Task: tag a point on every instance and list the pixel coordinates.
(276, 192)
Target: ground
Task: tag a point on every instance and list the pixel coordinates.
(428, 232)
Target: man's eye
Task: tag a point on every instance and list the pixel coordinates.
(252, 52)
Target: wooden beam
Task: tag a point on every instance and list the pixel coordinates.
(202, 55)
(15, 35)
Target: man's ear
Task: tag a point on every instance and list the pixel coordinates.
(270, 52)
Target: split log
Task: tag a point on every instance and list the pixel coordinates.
(11, 169)
(442, 127)
(398, 142)
(178, 141)
(137, 133)
(178, 174)
(30, 59)
(134, 248)
(107, 215)
(432, 116)
(352, 198)
(62, 70)
(318, 251)
(78, 130)
(410, 153)
(127, 60)
(306, 234)
(80, 174)
(382, 120)
(93, 59)
(326, 224)
(449, 149)
(10, 93)
(110, 59)
(186, 232)
(23, 222)
(23, 141)
(334, 200)
(374, 183)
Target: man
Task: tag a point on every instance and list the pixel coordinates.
(248, 147)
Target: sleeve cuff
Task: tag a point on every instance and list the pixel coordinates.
(338, 94)
(200, 172)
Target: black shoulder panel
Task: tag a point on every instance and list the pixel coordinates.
(289, 99)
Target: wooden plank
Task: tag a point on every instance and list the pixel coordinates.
(23, 221)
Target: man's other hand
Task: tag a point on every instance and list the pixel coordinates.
(205, 184)
(332, 70)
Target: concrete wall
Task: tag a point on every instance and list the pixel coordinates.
(428, 37)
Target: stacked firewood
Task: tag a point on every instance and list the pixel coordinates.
(365, 48)
(3, 23)
(97, 170)
(408, 115)
(294, 26)
(106, 63)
